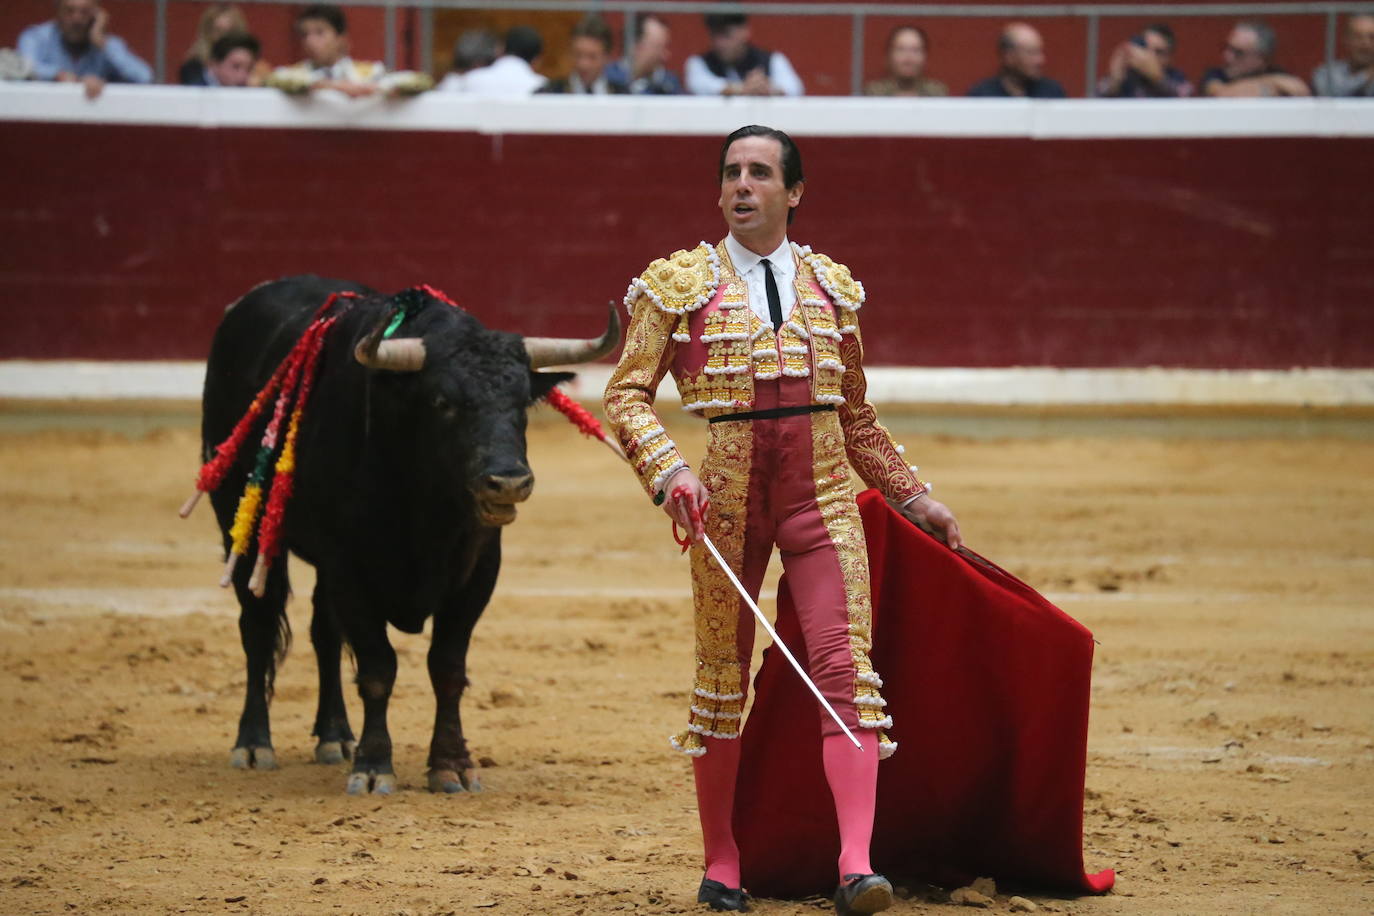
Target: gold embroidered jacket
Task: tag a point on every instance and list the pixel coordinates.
(690, 314)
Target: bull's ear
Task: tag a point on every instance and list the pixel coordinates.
(541, 383)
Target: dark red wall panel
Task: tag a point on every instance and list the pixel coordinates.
(127, 242)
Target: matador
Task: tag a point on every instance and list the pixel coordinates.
(762, 338)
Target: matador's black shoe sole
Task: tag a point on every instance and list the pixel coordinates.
(863, 894)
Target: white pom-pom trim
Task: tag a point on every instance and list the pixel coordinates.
(768, 376)
(706, 405)
(690, 752)
(724, 335)
(870, 678)
(830, 364)
(658, 453)
(886, 749)
(872, 702)
(797, 329)
(884, 722)
(707, 695)
(796, 350)
(682, 338)
(726, 370)
(830, 398)
(710, 714)
(661, 479)
(797, 373)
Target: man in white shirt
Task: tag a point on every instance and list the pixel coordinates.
(734, 66)
(511, 74)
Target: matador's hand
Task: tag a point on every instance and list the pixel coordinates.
(687, 502)
(935, 517)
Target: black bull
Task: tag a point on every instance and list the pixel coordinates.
(410, 457)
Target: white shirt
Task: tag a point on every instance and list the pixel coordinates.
(507, 76)
(701, 81)
(748, 266)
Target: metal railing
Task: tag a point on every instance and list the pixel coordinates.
(1091, 13)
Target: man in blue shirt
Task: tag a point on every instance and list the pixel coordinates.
(645, 69)
(1022, 74)
(76, 47)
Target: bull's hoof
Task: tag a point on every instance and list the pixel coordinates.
(253, 758)
(334, 751)
(374, 783)
(451, 781)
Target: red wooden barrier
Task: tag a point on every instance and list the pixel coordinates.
(127, 242)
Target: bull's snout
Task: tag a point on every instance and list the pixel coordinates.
(497, 495)
(508, 488)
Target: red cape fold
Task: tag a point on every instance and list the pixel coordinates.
(988, 684)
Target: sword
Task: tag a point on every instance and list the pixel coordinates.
(776, 641)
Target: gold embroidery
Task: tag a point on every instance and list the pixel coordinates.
(681, 283)
(718, 691)
(630, 394)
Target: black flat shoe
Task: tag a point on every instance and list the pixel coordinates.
(721, 897)
(860, 895)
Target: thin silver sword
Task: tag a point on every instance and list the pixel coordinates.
(778, 642)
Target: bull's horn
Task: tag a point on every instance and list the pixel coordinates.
(404, 355)
(560, 351)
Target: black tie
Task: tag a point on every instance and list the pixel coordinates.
(774, 301)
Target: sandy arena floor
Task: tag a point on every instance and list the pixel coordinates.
(1226, 567)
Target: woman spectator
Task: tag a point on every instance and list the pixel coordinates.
(906, 66)
(218, 20)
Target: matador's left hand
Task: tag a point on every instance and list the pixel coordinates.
(935, 517)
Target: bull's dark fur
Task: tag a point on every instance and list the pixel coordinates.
(391, 468)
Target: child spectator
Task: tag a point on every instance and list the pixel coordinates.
(232, 59)
(324, 39)
(218, 20)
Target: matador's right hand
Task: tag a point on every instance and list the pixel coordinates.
(687, 501)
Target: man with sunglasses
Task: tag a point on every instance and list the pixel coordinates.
(1248, 69)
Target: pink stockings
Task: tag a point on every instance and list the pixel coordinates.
(853, 779)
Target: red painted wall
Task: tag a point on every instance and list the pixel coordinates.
(127, 242)
(819, 46)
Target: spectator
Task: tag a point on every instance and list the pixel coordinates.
(906, 66)
(1353, 77)
(324, 39)
(218, 20)
(1247, 69)
(474, 48)
(644, 70)
(511, 74)
(592, 42)
(77, 47)
(232, 60)
(1022, 55)
(734, 66)
(1141, 68)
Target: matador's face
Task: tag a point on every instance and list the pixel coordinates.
(753, 198)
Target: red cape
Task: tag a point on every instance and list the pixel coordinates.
(988, 685)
